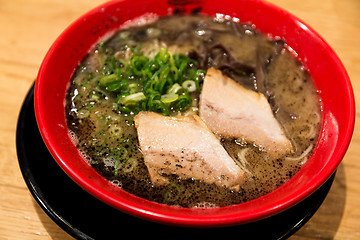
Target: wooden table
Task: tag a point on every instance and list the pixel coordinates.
(28, 28)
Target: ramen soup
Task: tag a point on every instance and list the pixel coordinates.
(184, 110)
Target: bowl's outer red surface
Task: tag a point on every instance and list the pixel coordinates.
(331, 79)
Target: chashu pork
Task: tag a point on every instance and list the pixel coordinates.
(186, 147)
(232, 111)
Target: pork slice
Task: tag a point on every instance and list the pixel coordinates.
(232, 111)
(184, 146)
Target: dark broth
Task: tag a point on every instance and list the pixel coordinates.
(106, 136)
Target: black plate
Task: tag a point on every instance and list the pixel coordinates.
(85, 217)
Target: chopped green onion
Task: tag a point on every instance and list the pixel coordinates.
(83, 113)
(183, 103)
(115, 130)
(129, 165)
(169, 98)
(116, 165)
(174, 88)
(86, 105)
(163, 55)
(173, 192)
(101, 46)
(189, 85)
(94, 95)
(161, 83)
(133, 88)
(114, 86)
(199, 75)
(99, 138)
(104, 81)
(84, 89)
(133, 99)
(137, 63)
(124, 153)
(159, 106)
(103, 121)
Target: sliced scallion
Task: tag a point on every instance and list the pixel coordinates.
(173, 192)
(169, 98)
(104, 81)
(133, 99)
(83, 113)
(115, 130)
(103, 121)
(183, 103)
(114, 86)
(160, 83)
(133, 88)
(116, 165)
(174, 88)
(129, 165)
(99, 138)
(189, 85)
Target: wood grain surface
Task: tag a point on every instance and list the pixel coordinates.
(28, 28)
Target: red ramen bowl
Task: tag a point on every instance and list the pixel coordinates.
(330, 78)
